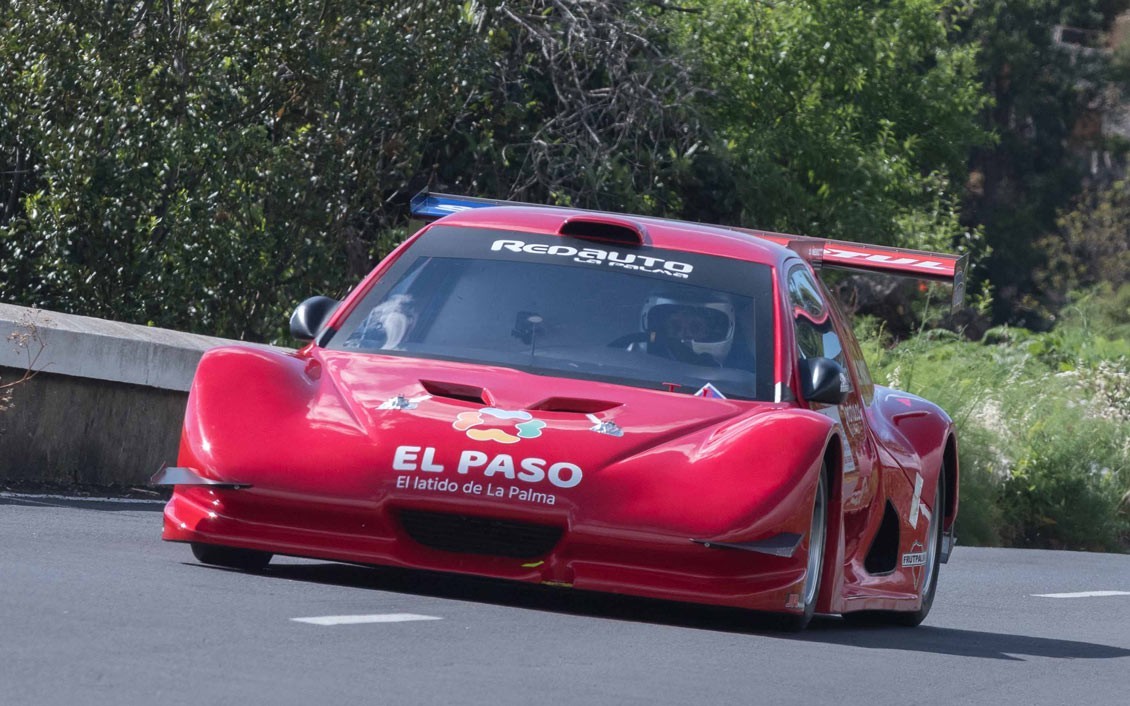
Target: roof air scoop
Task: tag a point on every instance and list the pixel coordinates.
(608, 230)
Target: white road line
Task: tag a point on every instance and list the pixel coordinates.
(362, 619)
(1082, 594)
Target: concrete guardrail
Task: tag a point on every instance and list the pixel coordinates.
(105, 408)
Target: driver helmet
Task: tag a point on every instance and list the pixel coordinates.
(706, 326)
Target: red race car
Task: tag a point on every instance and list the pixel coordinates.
(600, 401)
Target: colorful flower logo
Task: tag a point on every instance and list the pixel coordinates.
(524, 422)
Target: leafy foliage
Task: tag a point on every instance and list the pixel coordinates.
(204, 165)
(849, 120)
(583, 104)
(1092, 246)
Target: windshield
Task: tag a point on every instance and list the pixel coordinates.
(554, 305)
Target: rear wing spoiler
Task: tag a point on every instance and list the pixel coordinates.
(820, 252)
(845, 255)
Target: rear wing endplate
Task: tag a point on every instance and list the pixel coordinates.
(820, 252)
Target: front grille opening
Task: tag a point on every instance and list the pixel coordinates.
(464, 534)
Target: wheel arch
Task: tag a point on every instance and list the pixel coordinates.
(949, 468)
(831, 579)
(952, 480)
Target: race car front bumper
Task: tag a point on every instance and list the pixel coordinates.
(588, 556)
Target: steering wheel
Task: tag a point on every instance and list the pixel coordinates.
(628, 339)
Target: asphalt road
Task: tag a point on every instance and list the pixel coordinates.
(95, 609)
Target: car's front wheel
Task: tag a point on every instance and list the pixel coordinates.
(817, 539)
(231, 557)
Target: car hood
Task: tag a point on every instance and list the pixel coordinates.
(429, 414)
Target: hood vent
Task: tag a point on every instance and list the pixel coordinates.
(609, 230)
(576, 405)
(458, 391)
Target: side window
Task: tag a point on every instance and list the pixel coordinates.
(815, 334)
(859, 365)
(804, 294)
(815, 330)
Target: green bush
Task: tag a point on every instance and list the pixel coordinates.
(1063, 492)
(1043, 423)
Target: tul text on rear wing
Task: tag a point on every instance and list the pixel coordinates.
(820, 252)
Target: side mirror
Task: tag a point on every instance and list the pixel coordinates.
(822, 380)
(310, 316)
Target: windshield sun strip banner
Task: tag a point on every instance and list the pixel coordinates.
(711, 271)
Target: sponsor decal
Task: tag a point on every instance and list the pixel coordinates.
(848, 457)
(793, 602)
(916, 506)
(709, 390)
(831, 252)
(604, 427)
(480, 474)
(915, 560)
(403, 403)
(524, 424)
(853, 419)
(600, 257)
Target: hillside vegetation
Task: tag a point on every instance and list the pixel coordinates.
(1043, 421)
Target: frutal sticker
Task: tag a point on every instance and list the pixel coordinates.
(914, 559)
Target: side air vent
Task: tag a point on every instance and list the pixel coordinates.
(605, 229)
(883, 556)
(479, 535)
(458, 391)
(577, 405)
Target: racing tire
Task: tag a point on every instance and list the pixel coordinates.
(231, 557)
(914, 618)
(817, 548)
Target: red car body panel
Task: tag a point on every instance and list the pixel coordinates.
(326, 468)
